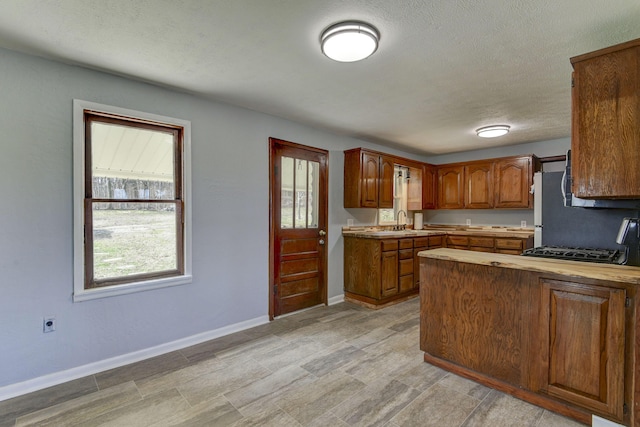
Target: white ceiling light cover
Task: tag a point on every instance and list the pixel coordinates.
(493, 131)
(349, 41)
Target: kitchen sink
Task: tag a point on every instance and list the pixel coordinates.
(392, 233)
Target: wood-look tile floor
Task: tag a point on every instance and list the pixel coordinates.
(329, 366)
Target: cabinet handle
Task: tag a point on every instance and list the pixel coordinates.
(321, 241)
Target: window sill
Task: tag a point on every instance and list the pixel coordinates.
(129, 288)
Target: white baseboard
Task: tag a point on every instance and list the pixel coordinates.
(49, 380)
(336, 300)
(596, 421)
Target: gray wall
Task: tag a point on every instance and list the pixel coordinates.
(230, 220)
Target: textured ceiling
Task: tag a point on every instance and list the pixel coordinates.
(443, 68)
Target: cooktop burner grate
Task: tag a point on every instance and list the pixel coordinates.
(607, 256)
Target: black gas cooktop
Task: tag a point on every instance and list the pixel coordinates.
(606, 256)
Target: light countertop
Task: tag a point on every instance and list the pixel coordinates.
(589, 270)
(373, 233)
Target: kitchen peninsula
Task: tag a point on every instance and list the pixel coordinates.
(560, 334)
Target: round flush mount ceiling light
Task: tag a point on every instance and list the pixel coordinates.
(349, 41)
(493, 131)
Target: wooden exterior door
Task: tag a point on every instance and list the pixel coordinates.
(298, 185)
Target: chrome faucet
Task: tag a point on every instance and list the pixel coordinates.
(398, 220)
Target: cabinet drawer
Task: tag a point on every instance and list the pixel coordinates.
(480, 249)
(421, 242)
(406, 243)
(405, 253)
(485, 242)
(389, 245)
(405, 267)
(509, 251)
(457, 241)
(509, 244)
(406, 283)
(435, 241)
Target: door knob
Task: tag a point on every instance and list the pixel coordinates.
(322, 233)
(321, 241)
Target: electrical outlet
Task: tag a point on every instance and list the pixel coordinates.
(349, 222)
(468, 221)
(523, 224)
(48, 324)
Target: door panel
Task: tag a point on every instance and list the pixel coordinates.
(585, 353)
(298, 223)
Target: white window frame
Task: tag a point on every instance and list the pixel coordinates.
(79, 291)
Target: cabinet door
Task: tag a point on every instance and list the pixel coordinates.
(369, 180)
(583, 345)
(451, 187)
(605, 121)
(416, 265)
(429, 186)
(389, 276)
(414, 189)
(385, 198)
(478, 191)
(513, 180)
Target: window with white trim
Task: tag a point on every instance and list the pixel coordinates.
(132, 210)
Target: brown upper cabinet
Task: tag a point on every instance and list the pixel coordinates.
(501, 183)
(361, 179)
(513, 179)
(451, 187)
(483, 184)
(369, 177)
(415, 189)
(385, 191)
(478, 185)
(429, 186)
(605, 136)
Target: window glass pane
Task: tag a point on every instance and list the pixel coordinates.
(386, 216)
(312, 212)
(131, 163)
(300, 219)
(133, 238)
(286, 194)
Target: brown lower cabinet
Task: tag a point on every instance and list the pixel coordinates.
(501, 245)
(382, 271)
(564, 343)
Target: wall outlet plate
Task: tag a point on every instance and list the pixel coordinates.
(523, 224)
(48, 324)
(468, 221)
